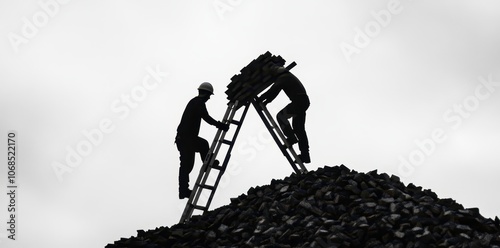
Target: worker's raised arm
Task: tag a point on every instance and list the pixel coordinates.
(212, 121)
(205, 116)
(272, 93)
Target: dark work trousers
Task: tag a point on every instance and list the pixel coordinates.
(187, 149)
(296, 110)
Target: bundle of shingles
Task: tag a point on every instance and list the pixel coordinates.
(253, 78)
(330, 207)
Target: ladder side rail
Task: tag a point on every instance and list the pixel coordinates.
(204, 171)
(195, 195)
(299, 161)
(221, 137)
(282, 136)
(229, 114)
(215, 143)
(235, 135)
(273, 124)
(228, 155)
(197, 192)
(273, 130)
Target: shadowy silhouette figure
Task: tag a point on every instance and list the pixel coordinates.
(294, 89)
(187, 140)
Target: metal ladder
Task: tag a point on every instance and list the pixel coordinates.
(203, 183)
(279, 137)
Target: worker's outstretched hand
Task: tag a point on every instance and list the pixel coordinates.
(222, 126)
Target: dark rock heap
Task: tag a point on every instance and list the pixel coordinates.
(330, 207)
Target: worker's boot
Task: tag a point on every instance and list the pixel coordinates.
(292, 140)
(305, 158)
(184, 193)
(214, 165)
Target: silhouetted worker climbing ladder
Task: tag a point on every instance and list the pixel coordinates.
(242, 91)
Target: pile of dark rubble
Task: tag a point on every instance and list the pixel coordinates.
(330, 207)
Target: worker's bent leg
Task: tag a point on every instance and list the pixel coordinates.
(282, 118)
(187, 162)
(202, 148)
(299, 122)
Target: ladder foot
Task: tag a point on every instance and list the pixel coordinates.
(305, 158)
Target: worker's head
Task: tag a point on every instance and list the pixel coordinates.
(205, 90)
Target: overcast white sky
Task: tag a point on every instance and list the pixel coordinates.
(384, 77)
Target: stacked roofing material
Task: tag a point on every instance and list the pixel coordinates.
(254, 78)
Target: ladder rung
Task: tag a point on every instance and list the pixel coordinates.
(199, 207)
(235, 122)
(284, 147)
(217, 167)
(227, 142)
(206, 186)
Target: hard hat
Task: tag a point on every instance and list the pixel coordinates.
(206, 87)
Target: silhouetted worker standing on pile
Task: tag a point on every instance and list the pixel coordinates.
(187, 140)
(294, 89)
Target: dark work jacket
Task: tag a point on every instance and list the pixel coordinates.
(287, 82)
(191, 119)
